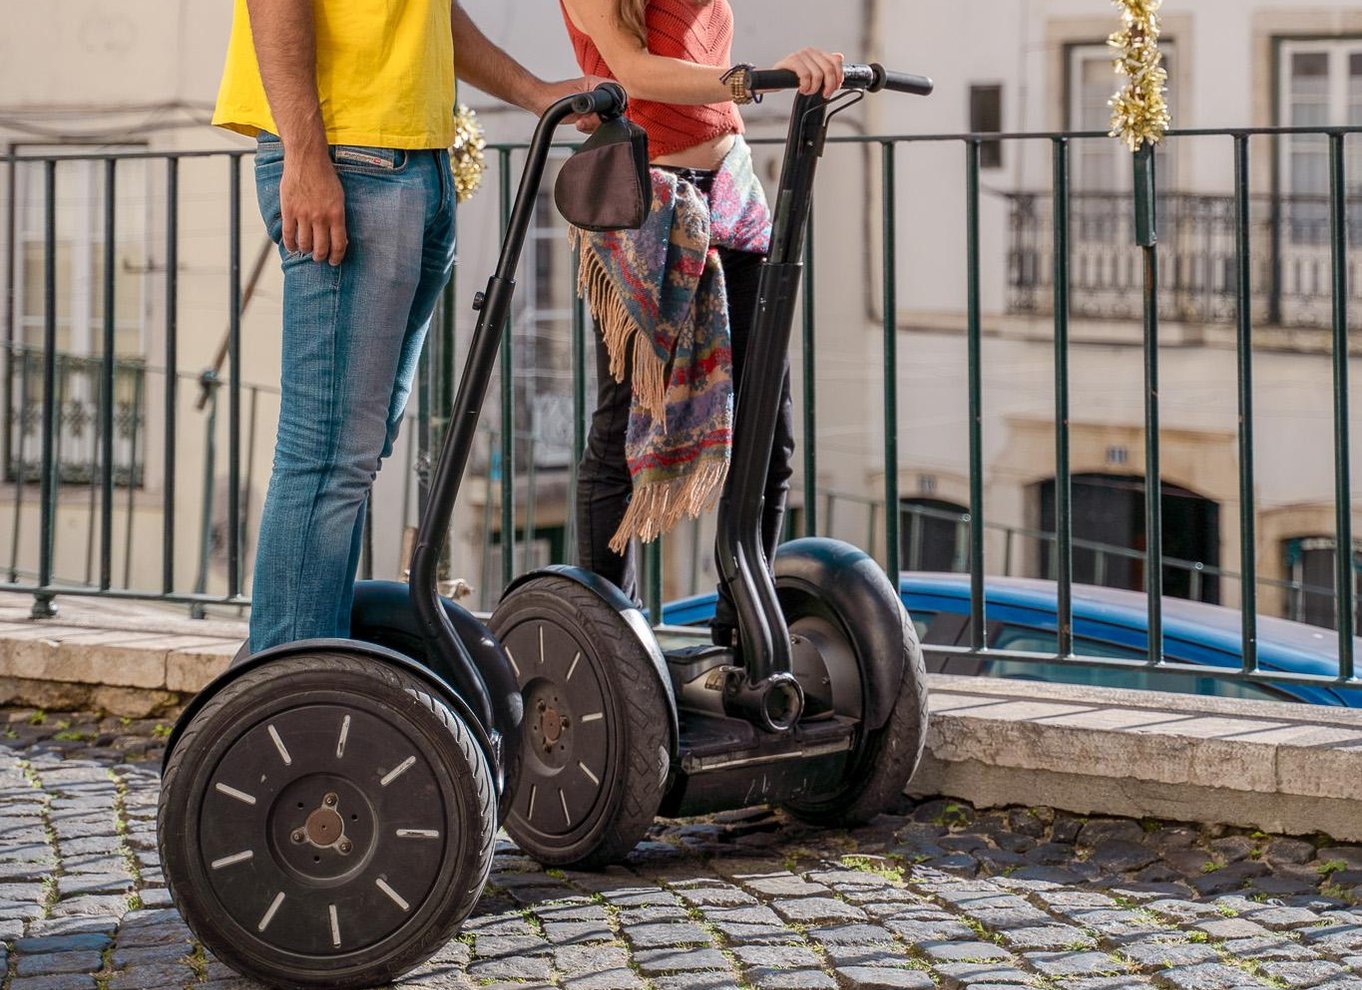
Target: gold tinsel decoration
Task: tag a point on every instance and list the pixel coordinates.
(1139, 110)
(466, 160)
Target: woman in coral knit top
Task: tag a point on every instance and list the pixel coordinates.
(674, 301)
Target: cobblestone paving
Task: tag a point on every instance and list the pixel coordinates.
(937, 895)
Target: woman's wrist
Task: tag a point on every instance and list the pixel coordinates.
(738, 79)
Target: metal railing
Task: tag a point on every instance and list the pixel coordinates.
(509, 464)
(1288, 238)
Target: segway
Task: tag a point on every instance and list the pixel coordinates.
(820, 707)
(328, 807)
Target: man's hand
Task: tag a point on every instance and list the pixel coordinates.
(551, 92)
(313, 206)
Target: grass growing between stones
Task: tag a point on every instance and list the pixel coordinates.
(877, 865)
(49, 881)
(1252, 967)
(106, 967)
(121, 829)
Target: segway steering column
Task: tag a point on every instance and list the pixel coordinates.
(494, 308)
(765, 691)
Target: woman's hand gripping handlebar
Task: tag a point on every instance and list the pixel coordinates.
(871, 78)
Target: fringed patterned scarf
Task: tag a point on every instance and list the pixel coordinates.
(660, 291)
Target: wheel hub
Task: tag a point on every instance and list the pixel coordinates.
(326, 834)
(553, 725)
(321, 821)
(325, 827)
(566, 772)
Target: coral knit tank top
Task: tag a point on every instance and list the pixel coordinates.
(684, 29)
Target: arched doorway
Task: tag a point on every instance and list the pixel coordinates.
(1109, 535)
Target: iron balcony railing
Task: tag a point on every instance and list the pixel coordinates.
(1050, 265)
(1289, 241)
(79, 408)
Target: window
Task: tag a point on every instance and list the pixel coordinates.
(1102, 165)
(986, 117)
(542, 332)
(933, 535)
(1128, 678)
(1310, 562)
(1321, 86)
(1108, 518)
(1028, 639)
(79, 305)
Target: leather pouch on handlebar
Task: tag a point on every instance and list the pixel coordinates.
(605, 185)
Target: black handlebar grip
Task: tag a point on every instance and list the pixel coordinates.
(608, 99)
(872, 78)
(774, 79)
(900, 82)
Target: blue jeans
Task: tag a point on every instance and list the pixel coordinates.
(352, 338)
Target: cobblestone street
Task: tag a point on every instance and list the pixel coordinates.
(938, 895)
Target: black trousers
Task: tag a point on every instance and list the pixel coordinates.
(603, 485)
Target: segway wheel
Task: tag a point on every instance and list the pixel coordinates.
(884, 759)
(325, 821)
(594, 754)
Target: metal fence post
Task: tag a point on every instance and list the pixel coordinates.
(1146, 237)
(1063, 547)
(1248, 542)
(1343, 540)
(974, 331)
(43, 605)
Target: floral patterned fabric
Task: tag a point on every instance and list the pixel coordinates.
(658, 293)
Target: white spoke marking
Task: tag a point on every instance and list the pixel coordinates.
(269, 912)
(514, 666)
(541, 644)
(335, 926)
(574, 666)
(594, 717)
(345, 734)
(417, 833)
(534, 789)
(587, 770)
(240, 857)
(563, 798)
(279, 745)
(397, 771)
(233, 792)
(396, 897)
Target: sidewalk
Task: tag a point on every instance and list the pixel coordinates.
(935, 895)
(1282, 768)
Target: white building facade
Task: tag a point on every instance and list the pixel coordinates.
(140, 75)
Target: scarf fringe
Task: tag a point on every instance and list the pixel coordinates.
(657, 507)
(619, 330)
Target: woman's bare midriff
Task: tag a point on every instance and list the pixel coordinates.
(706, 155)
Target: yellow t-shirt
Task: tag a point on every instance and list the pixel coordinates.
(385, 74)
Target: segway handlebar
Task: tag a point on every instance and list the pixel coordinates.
(607, 99)
(872, 78)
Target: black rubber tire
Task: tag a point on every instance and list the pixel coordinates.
(631, 742)
(884, 759)
(451, 784)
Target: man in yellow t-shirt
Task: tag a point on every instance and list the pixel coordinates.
(352, 104)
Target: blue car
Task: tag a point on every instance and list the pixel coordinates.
(1108, 622)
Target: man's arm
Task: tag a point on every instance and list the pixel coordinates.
(310, 195)
(482, 64)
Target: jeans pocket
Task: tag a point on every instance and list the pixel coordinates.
(371, 161)
(269, 151)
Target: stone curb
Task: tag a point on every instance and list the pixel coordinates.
(1284, 768)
